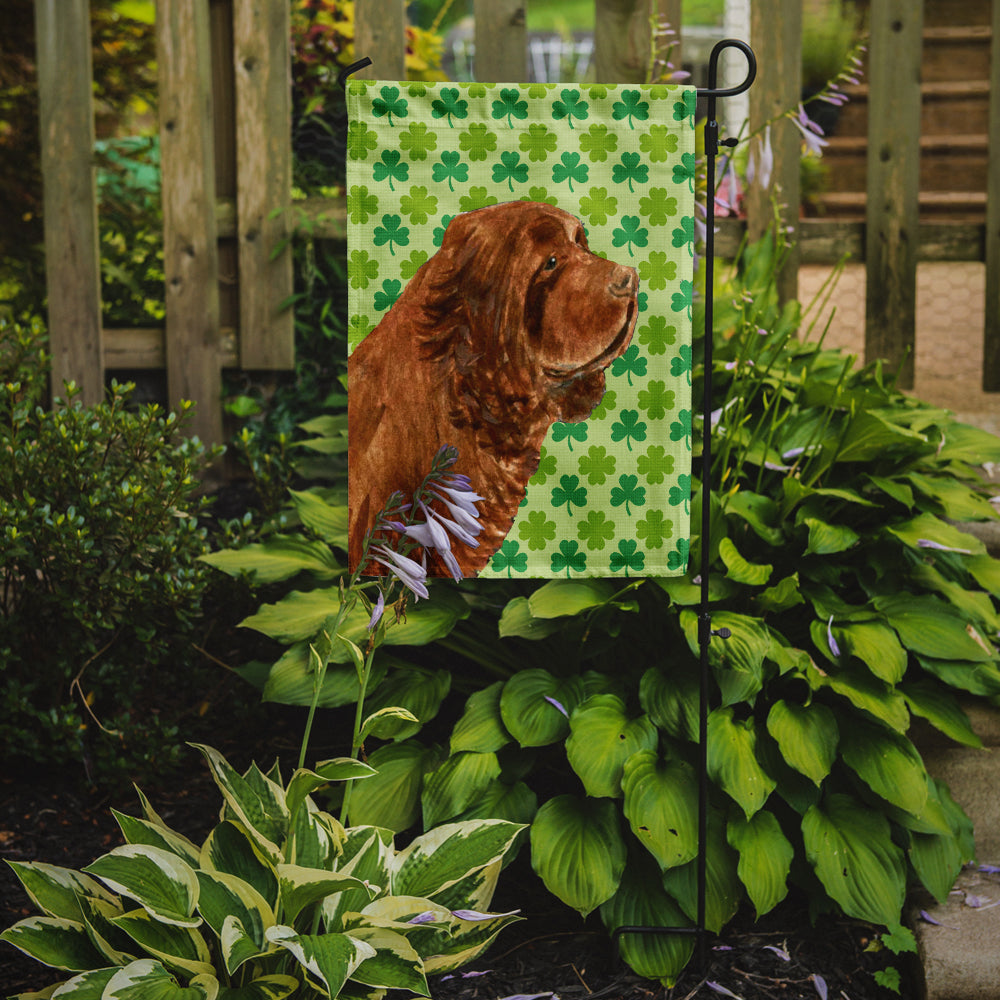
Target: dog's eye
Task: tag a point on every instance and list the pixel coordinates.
(551, 264)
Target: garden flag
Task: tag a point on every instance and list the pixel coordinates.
(520, 264)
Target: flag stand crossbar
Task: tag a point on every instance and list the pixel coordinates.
(705, 631)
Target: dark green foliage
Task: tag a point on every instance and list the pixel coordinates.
(99, 539)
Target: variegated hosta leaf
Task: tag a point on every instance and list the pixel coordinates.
(230, 849)
(765, 858)
(141, 831)
(602, 737)
(225, 897)
(315, 838)
(304, 782)
(661, 799)
(56, 891)
(850, 847)
(395, 964)
(147, 979)
(273, 987)
(158, 880)
(807, 736)
(367, 853)
(86, 986)
(329, 959)
(417, 690)
(467, 940)
(578, 851)
(481, 727)
(177, 947)
(732, 760)
(888, 763)
(476, 890)
(300, 887)
(456, 784)
(441, 857)
(116, 946)
(54, 941)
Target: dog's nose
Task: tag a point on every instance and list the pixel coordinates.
(624, 282)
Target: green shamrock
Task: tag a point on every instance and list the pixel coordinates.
(569, 433)
(510, 169)
(570, 169)
(478, 141)
(680, 429)
(685, 108)
(391, 165)
(686, 170)
(597, 91)
(654, 464)
(569, 492)
(628, 491)
(389, 104)
(658, 206)
(679, 557)
(547, 465)
(683, 235)
(596, 530)
(657, 270)
(478, 197)
(629, 169)
(438, 234)
(681, 362)
(597, 142)
(537, 530)
(630, 363)
(681, 493)
(683, 301)
(361, 269)
(418, 140)
(361, 204)
(627, 557)
(629, 428)
(631, 232)
(419, 205)
(597, 465)
(450, 168)
(656, 336)
(656, 399)
(653, 529)
(569, 557)
(360, 139)
(412, 264)
(540, 195)
(571, 106)
(537, 141)
(608, 402)
(509, 557)
(630, 106)
(450, 104)
(510, 106)
(479, 89)
(597, 205)
(358, 328)
(658, 143)
(384, 299)
(393, 232)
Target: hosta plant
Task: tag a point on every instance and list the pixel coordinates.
(279, 900)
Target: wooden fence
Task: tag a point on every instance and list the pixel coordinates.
(226, 161)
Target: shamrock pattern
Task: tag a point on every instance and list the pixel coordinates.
(611, 496)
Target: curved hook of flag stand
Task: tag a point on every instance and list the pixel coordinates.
(705, 631)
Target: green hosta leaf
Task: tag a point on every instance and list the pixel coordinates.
(395, 964)
(147, 979)
(292, 680)
(732, 760)
(301, 887)
(558, 598)
(965, 443)
(976, 678)
(928, 528)
(765, 858)
(180, 948)
(807, 736)
(481, 728)
(941, 709)
(456, 784)
(163, 884)
(931, 628)
(671, 699)
(937, 858)
(741, 571)
(864, 692)
(760, 512)
(683, 591)
(385, 723)
(327, 520)
(226, 898)
(54, 941)
(141, 831)
(738, 661)
(661, 798)
(876, 646)
(274, 987)
(975, 605)
(828, 539)
(440, 858)
(641, 901)
(986, 572)
(56, 891)
(528, 710)
(280, 557)
(515, 803)
(783, 595)
(888, 763)
(391, 798)
(578, 851)
(517, 620)
(304, 782)
(416, 689)
(230, 849)
(723, 889)
(330, 959)
(850, 847)
(957, 501)
(870, 436)
(602, 738)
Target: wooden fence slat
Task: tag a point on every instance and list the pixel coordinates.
(190, 253)
(991, 332)
(776, 36)
(380, 34)
(501, 41)
(893, 184)
(261, 57)
(621, 40)
(72, 256)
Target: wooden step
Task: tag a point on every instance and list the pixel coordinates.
(956, 53)
(957, 206)
(946, 105)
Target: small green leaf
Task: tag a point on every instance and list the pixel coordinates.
(807, 736)
(391, 798)
(456, 784)
(741, 571)
(559, 598)
(660, 805)
(888, 763)
(279, 558)
(481, 727)
(732, 760)
(765, 858)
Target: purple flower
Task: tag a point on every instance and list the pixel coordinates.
(820, 983)
(558, 705)
(427, 917)
(462, 510)
(476, 915)
(834, 648)
(719, 988)
(377, 611)
(811, 132)
(411, 574)
(761, 162)
(927, 543)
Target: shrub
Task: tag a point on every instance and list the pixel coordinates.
(99, 539)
